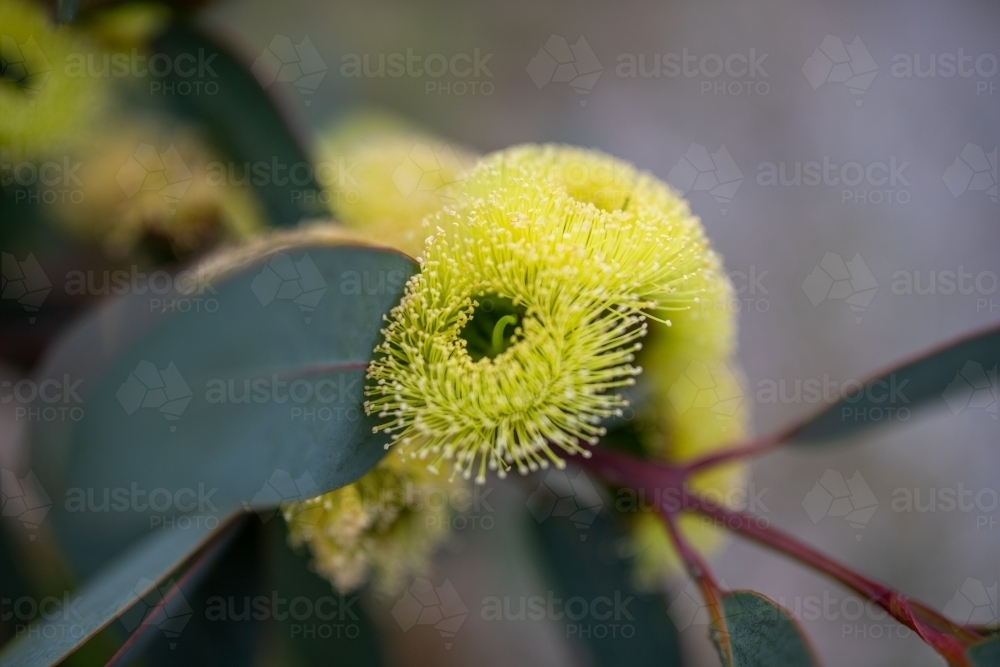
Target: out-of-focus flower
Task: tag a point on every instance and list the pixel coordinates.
(697, 407)
(42, 104)
(127, 26)
(514, 341)
(149, 183)
(384, 527)
(383, 177)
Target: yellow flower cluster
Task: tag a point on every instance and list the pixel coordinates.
(383, 527)
(572, 251)
(42, 105)
(549, 278)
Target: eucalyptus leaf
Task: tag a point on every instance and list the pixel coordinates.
(985, 654)
(242, 119)
(191, 635)
(954, 376)
(118, 588)
(262, 605)
(761, 634)
(249, 396)
(66, 10)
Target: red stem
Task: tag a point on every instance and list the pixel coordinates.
(652, 476)
(702, 575)
(759, 446)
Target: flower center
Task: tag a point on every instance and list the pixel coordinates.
(488, 332)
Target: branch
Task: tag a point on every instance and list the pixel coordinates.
(698, 569)
(938, 632)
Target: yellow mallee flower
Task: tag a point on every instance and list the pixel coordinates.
(545, 270)
(513, 342)
(384, 527)
(42, 103)
(540, 282)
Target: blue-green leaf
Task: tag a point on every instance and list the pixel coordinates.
(243, 121)
(985, 654)
(954, 376)
(250, 395)
(760, 634)
(113, 592)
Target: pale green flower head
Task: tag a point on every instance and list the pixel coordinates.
(514, 342)
(42, 104)
(382, 176)
(382, 528)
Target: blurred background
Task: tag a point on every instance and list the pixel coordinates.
(843, 158)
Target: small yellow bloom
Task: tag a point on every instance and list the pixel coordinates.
(384, 527)
(383, 177)
(42, 105)
(513, 342)
(146, 182)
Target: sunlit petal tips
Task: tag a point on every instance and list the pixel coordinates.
(514, 341)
